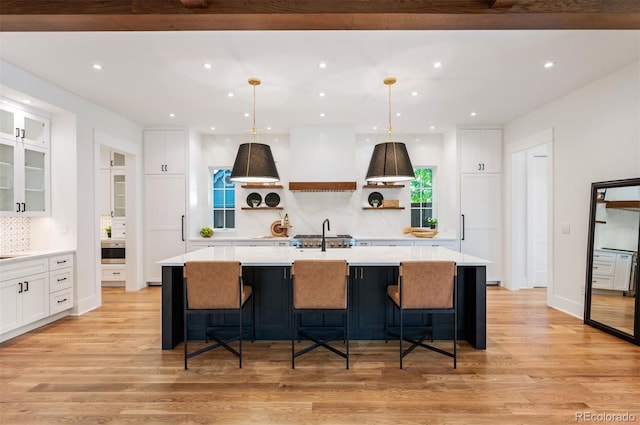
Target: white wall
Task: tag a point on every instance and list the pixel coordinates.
(78, 198)
(307, 210)
(596, 132)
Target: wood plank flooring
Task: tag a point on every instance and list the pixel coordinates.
(106, 367)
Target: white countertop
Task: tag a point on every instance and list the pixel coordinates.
(356, 256)
(31, 255)
(357, 238)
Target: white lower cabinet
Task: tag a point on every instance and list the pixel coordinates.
(33, 290)
(24, 294)
(114, 272)
(611, 270)
(60, 283)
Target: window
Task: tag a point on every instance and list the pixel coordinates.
(422, 196)
(224, 199)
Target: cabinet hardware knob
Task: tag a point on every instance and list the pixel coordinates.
(61, 301)
(61, 262)
(62, 280)
(21, 289)
(22, 133)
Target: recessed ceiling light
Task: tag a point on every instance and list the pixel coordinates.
(414, 93)
(375, 127)
(268, 128)
(276, 140)
(398, 114)
(473, 114)
(433, 127)
(230, 94)
(322, 65)
(549, 64)
(207, 66)
(172, 115)
(322, 114)
(246, 114)
(97, 66)
(321, 94)
(212, 128)
(437, 64)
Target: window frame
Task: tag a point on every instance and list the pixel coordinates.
(212, 209)
(433, 208)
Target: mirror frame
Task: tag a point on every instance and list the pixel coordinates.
(635, 338)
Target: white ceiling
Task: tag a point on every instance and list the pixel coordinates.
(148, 75)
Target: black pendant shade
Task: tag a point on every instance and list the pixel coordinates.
(390, 162)
(254, 164)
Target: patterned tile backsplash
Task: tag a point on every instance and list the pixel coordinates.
(15, 234)
(105, 220)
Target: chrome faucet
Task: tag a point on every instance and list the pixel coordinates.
(323, 247)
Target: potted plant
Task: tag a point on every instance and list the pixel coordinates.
(432, 222)
(108, 230)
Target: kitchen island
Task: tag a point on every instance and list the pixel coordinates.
(372, 268)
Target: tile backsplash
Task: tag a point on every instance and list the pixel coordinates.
(15, 234)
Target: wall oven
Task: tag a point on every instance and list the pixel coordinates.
(113, 252)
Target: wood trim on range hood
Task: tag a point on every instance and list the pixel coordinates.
(322, 186)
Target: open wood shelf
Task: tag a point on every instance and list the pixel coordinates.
(382, 208)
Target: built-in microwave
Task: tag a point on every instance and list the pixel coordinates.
(113, 252)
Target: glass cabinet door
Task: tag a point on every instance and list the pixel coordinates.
(118, 189)
(7, 123)
(34, 180)
(7, 178)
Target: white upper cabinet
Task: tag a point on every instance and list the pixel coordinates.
(24, 127)
(165, 151)
(480, 150)
(111, 159)
(24, 179)
(24, 163)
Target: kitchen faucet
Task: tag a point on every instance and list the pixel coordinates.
(323, 247)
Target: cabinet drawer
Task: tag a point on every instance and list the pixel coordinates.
(603, 256)
(114, 273)
(24, 268)
(603, 268)
(60, 279)
(60, 301)
(58, 262)
(602, 282)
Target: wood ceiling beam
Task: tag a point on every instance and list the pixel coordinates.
(144, 15)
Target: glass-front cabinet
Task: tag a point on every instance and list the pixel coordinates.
(24, 179)
(24, 163)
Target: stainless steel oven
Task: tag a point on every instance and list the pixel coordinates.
(113, 252)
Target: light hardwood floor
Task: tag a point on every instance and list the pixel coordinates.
(540, 367)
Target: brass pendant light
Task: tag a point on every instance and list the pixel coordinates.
(390, 161)
(254, 162)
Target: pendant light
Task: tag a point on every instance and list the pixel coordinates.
(254, 162)
(390, 161)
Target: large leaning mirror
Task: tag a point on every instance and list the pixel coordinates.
(611, 299)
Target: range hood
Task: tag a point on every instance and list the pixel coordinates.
(323, 159)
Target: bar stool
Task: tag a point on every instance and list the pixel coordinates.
(424, 287)
(216, 287)
(320, 286)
